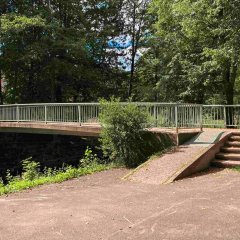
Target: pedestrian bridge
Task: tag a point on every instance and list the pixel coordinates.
(83, 118)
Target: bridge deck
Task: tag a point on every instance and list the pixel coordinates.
(86, 130)
(75, 129)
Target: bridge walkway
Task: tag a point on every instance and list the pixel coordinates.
(75, 129)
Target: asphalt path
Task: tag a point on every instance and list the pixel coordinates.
(102, 206)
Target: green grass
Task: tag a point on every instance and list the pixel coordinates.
(237, 169)
(18, 184)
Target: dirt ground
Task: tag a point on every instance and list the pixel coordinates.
(102, 206)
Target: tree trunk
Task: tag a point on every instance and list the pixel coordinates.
(30, 94)
(58, 93)
(130, 82)
(230, 77)
(133, 52)
(1, 93)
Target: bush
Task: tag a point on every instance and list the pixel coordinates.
(89, 158)
(32, 176)
(123, 129)
(1, 183)
(30, 169)
(9, 176)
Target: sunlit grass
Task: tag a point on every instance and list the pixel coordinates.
(237, 169)
(18, 184)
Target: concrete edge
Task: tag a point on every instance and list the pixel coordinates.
(200, 162)
(55, 129)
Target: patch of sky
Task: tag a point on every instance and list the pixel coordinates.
(122, 45)
(121, 42)
(102, 5)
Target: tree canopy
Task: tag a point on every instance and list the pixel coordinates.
(74, 51)
(195, 50)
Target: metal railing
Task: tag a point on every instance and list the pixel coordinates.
(163, 115)
(50, 113)
(221, 116)
(172, 115)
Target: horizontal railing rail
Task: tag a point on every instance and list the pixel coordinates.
(162, 115)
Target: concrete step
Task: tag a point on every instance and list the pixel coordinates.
(232, 144)
(228, 156)
(225, 163)
(235, 138)
(236, 134)
(230, 150)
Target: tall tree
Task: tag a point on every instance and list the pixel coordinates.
(135, 31)
(57, 50)
(204, 36)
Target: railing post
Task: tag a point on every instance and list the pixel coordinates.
(17, 114)
(225, 116)
(155, 115)
(176, 118)
(79, 115)
(201, 118)
(45, 108)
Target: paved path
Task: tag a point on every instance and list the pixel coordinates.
(102, 206)
(160, 170)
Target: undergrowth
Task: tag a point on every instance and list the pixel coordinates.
(32, 176)
(237, 169)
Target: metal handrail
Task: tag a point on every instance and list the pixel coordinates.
(94, 103)
(163, 115)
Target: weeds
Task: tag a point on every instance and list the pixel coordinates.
(32, 176)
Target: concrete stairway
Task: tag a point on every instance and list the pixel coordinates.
(229, 156)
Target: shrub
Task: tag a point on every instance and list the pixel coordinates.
(89, 158)
(9, 176)
(122, 134)
(32, 177)
(1, 183)
(47, 172)
(30, 169)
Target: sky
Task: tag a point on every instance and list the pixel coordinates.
(123, 45)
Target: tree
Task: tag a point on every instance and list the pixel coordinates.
(58, 50)
(136, 28)
(3, 10)
(198, 41)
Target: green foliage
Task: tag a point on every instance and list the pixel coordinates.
(13, 23)
(57, 50)
(89, 158)
(48, 172)
(61, 176)
(32, 177)
(194, 52)
(237, 169)
(123, 136)
(30, 169)
(1, 183)
(9, 176)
